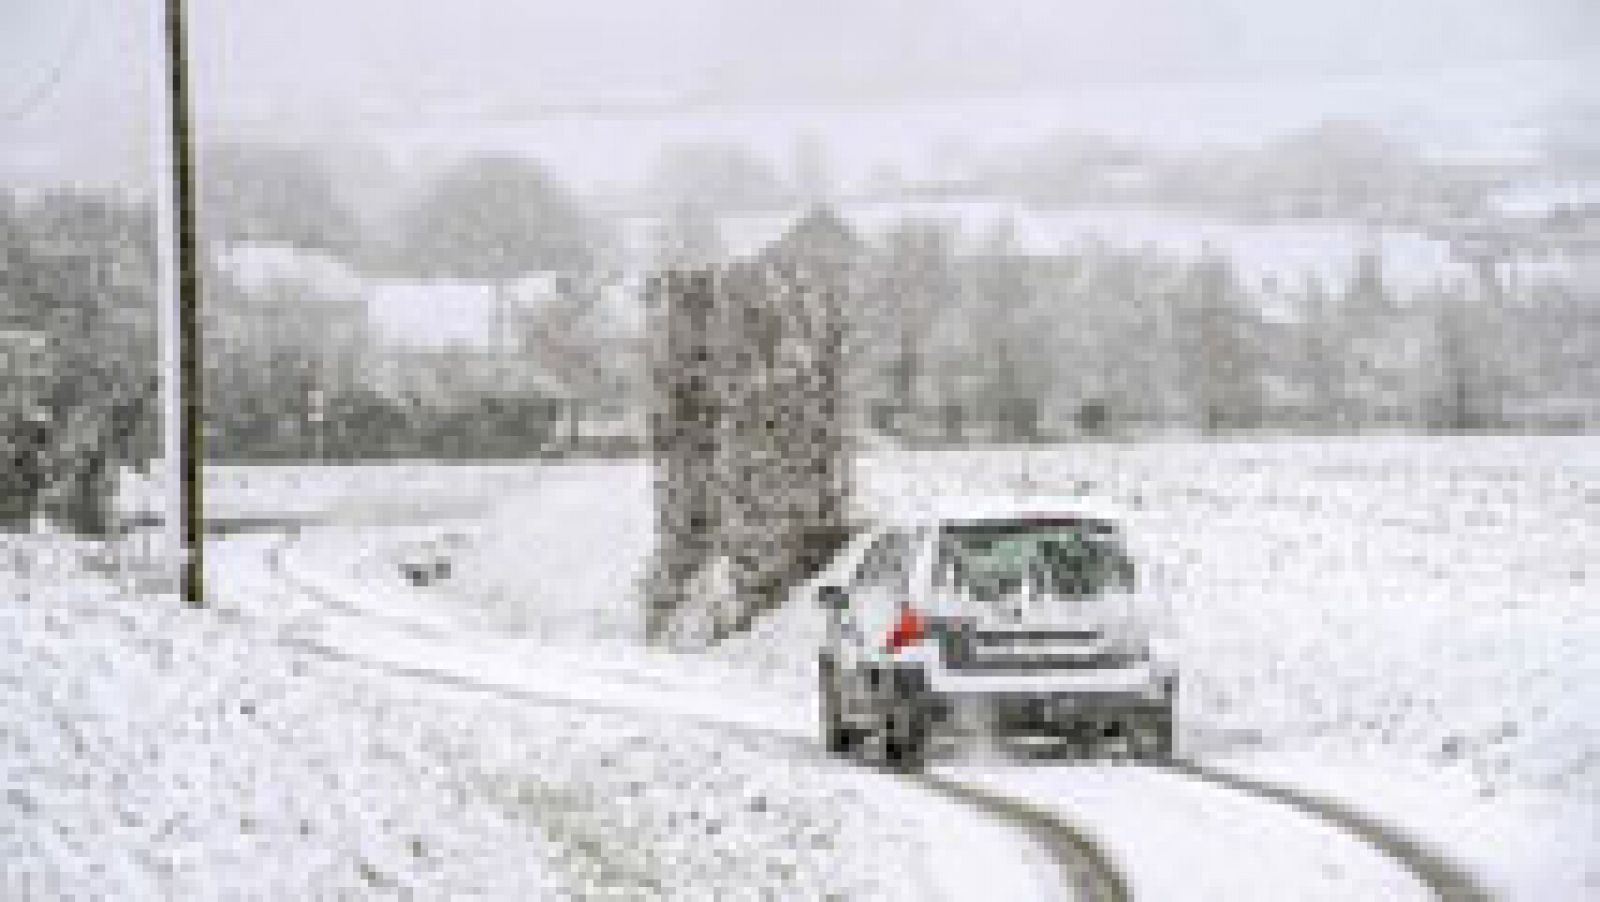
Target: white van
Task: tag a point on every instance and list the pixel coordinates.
(1004, 620)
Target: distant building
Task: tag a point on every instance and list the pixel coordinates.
(286, 298)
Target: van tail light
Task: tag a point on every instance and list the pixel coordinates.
(908, 630)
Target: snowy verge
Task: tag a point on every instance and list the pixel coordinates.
(155, 751)
(959, 853)
(150, 750)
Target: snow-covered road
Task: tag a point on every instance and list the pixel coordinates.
(656, 802)
(959, 853)
(1170, 834)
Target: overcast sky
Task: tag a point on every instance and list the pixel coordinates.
(75, 75)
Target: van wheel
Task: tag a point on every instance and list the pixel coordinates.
(837, 738)
(1157, 740)
(905, 738)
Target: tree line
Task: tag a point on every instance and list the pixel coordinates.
(78, 355)
(944, 341)
(294, 366)
(1102, 339)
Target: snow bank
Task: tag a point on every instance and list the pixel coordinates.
(148, 750)
(151, 751)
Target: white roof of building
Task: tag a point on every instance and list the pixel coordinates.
(1536, 198)
(418, 314)
(254, 266)
(437, 314)
(440, 313)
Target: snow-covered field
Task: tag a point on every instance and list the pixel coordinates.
(1433, 599)
(1406, 625)
(359, 493)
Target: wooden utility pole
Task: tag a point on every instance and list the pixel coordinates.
(187, 271)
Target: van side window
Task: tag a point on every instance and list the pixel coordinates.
(887, 564)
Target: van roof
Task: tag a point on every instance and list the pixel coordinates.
(976, 509)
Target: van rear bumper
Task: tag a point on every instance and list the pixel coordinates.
(1143, 680)
(1054, 713)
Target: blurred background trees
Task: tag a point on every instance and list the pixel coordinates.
(714, 175)
(78, 348)
(963, 323)
(910, 282)
(493, 219)
(267, 193)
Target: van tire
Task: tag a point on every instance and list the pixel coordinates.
(837, 739)
(905, 737)
(1159, 747)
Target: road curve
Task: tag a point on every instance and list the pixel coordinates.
(1089, 871)
(1086, 870)
(1083, 860)
(1449, 881)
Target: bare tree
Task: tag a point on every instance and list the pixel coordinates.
(1007, 349)
(714, 175)
(494, 219)
(272, 193)
(1320, 370)
(1216, 344)
(909, 283)
(1469, 378)
(687, 237)
(582, 343)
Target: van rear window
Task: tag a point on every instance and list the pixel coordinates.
(1057, 557)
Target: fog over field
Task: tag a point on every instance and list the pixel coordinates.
(1221, 71)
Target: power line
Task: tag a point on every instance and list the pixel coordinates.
(35, 98)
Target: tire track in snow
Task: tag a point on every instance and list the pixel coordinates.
(1087, 871)
(1090, 871)
(1449, 881)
